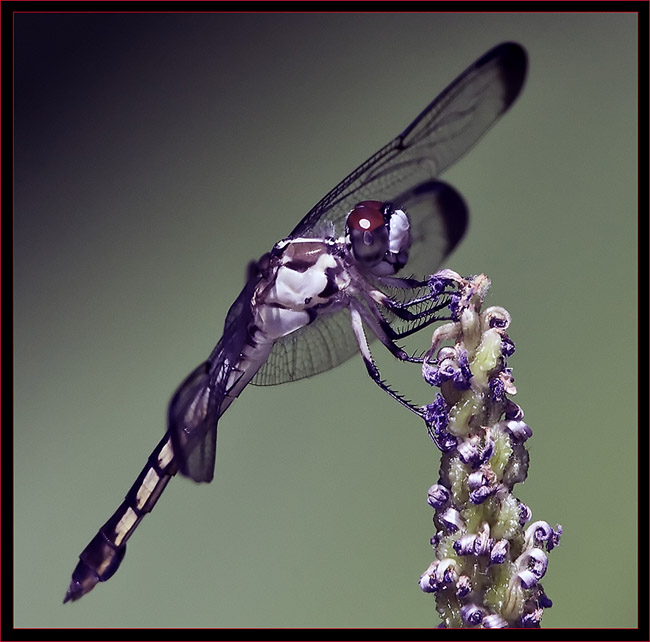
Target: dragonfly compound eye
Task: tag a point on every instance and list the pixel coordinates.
(368, 232)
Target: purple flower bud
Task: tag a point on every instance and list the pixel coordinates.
(507, 346)
(463, 586)
(439, 282)
(472, 614)
(445, 572)
(464, 545)
(435, 540)
(468, 453)
(555, 538)
(426, 583)
(437, 413)
(431, 374)
(525, 514)
(518, 430)
(479, 495)
(497, 389)
(451, 520)
(496, 317)
(462, 381)
(437, 496)
(480, 486)
(454, 305)
(477, 479)
(499, 551)
(470, 544)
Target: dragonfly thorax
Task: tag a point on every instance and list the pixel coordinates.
(303, 276)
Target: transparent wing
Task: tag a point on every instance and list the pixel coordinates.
(321, 345)
(441, 134)
(196, 406)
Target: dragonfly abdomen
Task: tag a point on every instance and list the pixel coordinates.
(103, 555)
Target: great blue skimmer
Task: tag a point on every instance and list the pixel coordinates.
(306, 302)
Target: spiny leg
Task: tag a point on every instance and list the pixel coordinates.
(369, 362)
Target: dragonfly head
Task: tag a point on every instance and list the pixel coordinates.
(378, 236)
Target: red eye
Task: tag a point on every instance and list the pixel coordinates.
(368, 232)
(367, 216)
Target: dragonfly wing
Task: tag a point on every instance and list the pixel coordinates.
(192, 417)
(197, 404)
(442, 133)
(323, 344)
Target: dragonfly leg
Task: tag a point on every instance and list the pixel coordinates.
(369, 362)
(385, 331)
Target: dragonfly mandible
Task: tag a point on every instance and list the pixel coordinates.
(307, 303)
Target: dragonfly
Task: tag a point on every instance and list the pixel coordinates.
(329, 288)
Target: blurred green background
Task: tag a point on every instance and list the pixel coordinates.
(156, 155)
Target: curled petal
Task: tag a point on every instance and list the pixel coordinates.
(476, 480)
(437, 496)
(527, 579)
(494, 621)
(533, 560)
(537, 533)
(479, 495)
(499, 551)
(427, 582)
(445, 573)
(452, 520)
(445, 332)
(472, 614)
(468, 453)
(474, 544)
(496, 317)
(519, 430)
(464, 545)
